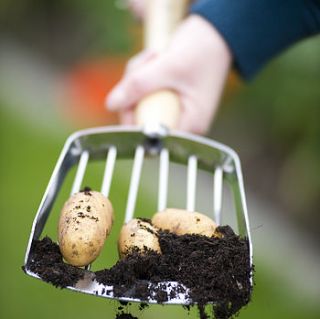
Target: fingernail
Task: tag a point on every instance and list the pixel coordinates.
(115, 99)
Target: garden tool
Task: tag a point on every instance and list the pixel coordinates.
(153, 137)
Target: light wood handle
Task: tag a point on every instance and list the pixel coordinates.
(162, 17)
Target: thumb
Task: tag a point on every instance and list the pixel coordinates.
(150, 77)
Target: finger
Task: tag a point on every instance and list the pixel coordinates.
(134, 86)
(126, 117)
(116, 96)
(138, 60)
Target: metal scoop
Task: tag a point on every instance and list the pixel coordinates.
(153, 140)
(112, 143)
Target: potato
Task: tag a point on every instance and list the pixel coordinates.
(85, 222)
(140, 234)
(181, 222)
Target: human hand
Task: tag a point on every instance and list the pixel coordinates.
(194, 65)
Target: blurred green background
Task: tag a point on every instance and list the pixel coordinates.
(51, 51)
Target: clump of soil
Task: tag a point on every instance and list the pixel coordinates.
(46, 261)
(125, 316)
(213, 270)
(87, 190)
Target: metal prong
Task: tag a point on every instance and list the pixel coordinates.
(217, 193)
(88, 267)
(80, 172)
(163, 179)
(108, 171)
(134, 183)
(191, 182)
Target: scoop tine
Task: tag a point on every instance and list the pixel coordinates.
(192, 183)
(80, 172)
(134, 183)
(108, 172)
(217, 193)
(163, 179)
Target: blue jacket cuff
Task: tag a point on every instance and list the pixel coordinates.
(257, 30)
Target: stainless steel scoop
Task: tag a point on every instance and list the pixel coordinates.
(152, 140)
(110, 144)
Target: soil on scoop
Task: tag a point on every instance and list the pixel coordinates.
(46, 261)
(213, 270)
(125, 316)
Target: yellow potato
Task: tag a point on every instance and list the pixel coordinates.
(181, 222)
(138, 234)
(85, 222)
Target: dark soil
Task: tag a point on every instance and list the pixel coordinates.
(87, 190)
(125, 316)
(46, 261)
(214, 269)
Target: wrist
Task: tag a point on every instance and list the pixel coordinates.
(206, 36)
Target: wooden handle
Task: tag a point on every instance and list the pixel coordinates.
(162, 17)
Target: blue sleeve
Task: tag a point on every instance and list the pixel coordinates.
(257, 30)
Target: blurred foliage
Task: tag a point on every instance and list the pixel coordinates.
(274, 124)
(67, 30)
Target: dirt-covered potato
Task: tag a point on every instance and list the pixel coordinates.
(181, 222)
(85, 222)
(138, 234)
